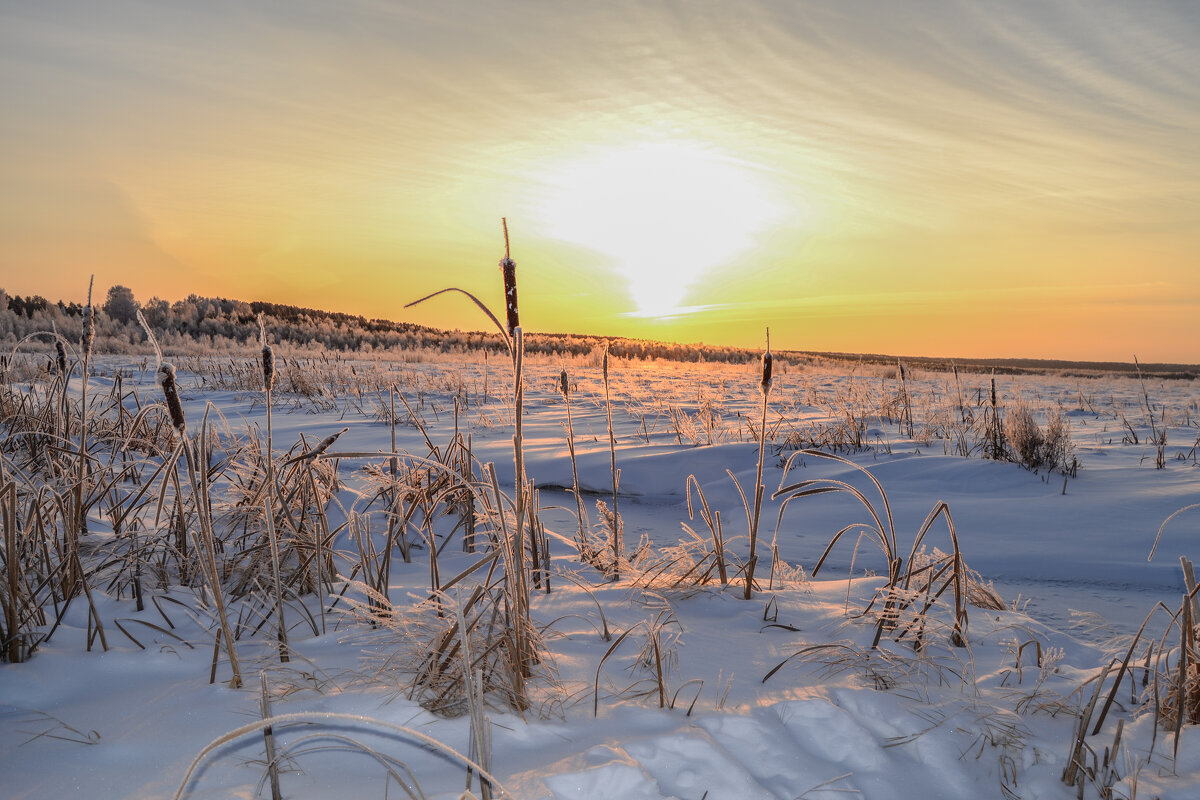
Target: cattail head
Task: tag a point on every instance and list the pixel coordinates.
(268, 356)
(268, 359)
(89, 322)
(902, 373)
(604, 363)
(563, 386)
(765, 385)
(321, 447)
(61, 356)
(509, 268)
(993, 391)
(324, 444)
(166, 379)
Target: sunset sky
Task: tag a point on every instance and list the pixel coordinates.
(966, 178)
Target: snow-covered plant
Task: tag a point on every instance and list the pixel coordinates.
(754, 515)
(1034, 446)
(581, 537)
(913, 585)
(612, 517)
(517, 526)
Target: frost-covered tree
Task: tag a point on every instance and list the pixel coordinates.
(157, 312)
(121, 305)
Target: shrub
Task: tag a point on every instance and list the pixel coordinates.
(1034, 446)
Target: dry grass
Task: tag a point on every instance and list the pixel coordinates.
(914, 585)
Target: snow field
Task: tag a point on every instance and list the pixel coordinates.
(837, 719)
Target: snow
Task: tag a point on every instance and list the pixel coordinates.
(837, 719)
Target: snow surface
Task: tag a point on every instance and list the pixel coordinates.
(837, 720)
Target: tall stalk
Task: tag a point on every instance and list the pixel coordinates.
(906, 420)
(580, 512)
(617, 546)
(74, 580)
(77, 580)
(204, 539)
(16, 644)
(520, 590)
(765, 389)
(509, 269)
(511, 544)
(268, 368)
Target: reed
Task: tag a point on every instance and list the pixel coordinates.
(765, 390)
(712, 520)
(268, 385)
(994, 447)
(480, 724)
(906, 417)
(331, 719)
(16, 597)
(204, 538)
(581, 536)
(914, 585)
(1158, 427)
(75, 577)
(614, 516)
(519, 535)
(269, 737)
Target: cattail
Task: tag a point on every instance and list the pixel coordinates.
(166, 379)
(902, 375)
(321, 447)
(89, 322)
(61, 352)
(509, 268)
(993, 391)
(765, 386)
(268, 356)
(615, 519)
(562, 384)
(753, 516)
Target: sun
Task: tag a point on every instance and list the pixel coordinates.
(665, 213)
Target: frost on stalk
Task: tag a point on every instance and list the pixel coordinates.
(60, 356)
(321, 447)
(268, 356)
(165, 377)
(158, 356)
(89, 322)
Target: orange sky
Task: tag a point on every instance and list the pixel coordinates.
(973, 179)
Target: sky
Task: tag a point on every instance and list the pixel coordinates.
(973, 179)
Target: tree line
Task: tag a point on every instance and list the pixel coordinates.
(222, 325)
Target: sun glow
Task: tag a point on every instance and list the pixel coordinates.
(664, 213)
